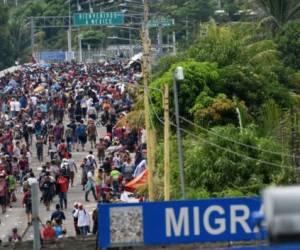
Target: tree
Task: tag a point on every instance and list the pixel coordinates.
(229, 166)
(198, 76)
(289, 44)
(219, 45)
(5, 46)
(279, 12)
(254, 89)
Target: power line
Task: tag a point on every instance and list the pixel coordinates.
(207, 141)
(231, 140)
(237, 142)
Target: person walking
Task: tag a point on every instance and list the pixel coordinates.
(90, 186)
(92, 132)
(3, 192)
(72, 168)
(40, 148)
(46, 188)
(81, 135)
(27, 202)
(63, 185)
(58, 215)
(83, 222)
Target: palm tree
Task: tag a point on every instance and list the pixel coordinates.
(279, 12)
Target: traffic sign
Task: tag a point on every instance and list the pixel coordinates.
(177, 222)
(162, 22)
(98, 19)
(50, 56)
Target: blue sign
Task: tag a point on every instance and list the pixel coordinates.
(178, 222)
(49, 56)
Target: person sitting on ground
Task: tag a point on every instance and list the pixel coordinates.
(48, 233)
(14, 237)
(57, 228)
(63, 234)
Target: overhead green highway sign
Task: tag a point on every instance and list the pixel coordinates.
(98, 19)
(160, 22)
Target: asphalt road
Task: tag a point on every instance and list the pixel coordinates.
(16, 217)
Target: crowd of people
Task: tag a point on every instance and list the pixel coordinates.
(50, 111)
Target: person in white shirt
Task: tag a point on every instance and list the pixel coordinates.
(83, 220)
(34, 100)
(12, 107)
(32, 179)
(17, 107)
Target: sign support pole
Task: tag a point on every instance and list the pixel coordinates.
(35, 216)
(166, 143)
(32, 35)
(174, 39)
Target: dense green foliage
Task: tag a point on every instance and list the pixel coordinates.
(5, 46)
(288, 43)
(239, 92)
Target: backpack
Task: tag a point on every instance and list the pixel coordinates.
(65, 170)
(62, 148)
(28, 199)
(69, 133)
(81, 131)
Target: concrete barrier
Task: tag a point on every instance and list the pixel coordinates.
(9, 70)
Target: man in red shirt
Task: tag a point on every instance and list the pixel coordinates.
(63, 185)
(48, 233)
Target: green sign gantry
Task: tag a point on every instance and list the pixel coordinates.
(161, 22)
(98, 19)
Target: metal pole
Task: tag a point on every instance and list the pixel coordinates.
(174, 39)
(166, 143)
(69, 32)
(35, 216)
(179, 140)
(186, 29)
(159, 38)
(130, 39)
(32, 35)
(80, 48)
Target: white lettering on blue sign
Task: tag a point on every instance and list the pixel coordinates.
(183, 221)
(179, 225)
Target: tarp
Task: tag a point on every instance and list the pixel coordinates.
(138, 181)
(39, 89)
(136, 58)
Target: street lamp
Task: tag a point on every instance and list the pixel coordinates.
(178, 75)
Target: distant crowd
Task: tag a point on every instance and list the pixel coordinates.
(48, 112)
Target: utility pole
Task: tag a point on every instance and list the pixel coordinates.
(186, 28)
(146, 73)
(32, 35)
(159, 38)
(80, 47)
(174, 39)
(166, 143)
(35, 216)
(69, 33)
